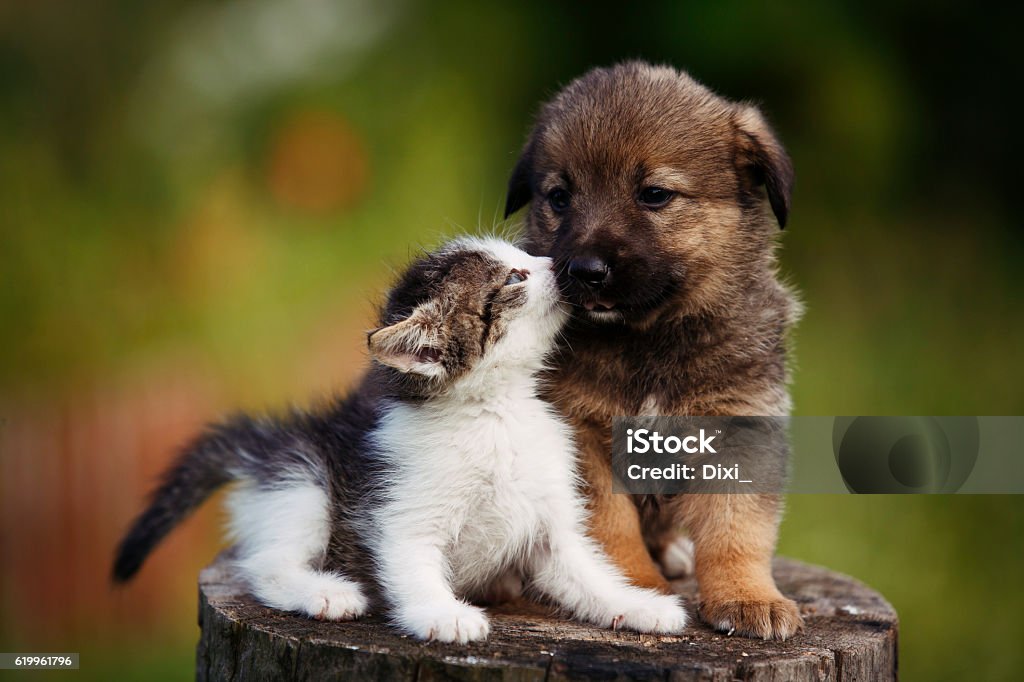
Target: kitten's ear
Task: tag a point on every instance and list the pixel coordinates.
(763, 161)
(410, 346)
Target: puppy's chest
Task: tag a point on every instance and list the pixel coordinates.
(599, 387)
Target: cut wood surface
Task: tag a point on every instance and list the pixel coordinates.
(850, 634)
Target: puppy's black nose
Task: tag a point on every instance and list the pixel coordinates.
(589, 270)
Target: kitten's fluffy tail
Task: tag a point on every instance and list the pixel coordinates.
(210, 461)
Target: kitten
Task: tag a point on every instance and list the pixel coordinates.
(440, 474)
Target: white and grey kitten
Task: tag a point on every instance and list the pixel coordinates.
(441, 473)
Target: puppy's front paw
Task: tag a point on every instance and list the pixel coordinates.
(653, 613)
(777, 618)
(447, 622)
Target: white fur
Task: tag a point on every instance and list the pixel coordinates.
(677, 558)
(650, 408)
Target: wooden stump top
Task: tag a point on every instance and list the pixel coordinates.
(850, 634)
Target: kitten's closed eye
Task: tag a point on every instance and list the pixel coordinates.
(517, 277)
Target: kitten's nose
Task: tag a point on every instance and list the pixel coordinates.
(589, 270)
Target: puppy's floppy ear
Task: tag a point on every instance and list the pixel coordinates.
(761, 157)
(520, 187)
(412, 345)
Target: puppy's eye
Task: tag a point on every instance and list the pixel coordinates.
(516, 277)
(559, 199)
(655, 197)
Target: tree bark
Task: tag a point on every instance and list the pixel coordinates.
(850, 634)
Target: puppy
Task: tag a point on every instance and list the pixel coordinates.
(659, 202)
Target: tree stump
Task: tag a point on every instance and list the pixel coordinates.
(850, 634)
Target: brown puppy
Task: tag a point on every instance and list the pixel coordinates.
(649, 192)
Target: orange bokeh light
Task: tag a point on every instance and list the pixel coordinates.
(317, 163)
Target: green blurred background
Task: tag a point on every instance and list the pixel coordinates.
(199, 202)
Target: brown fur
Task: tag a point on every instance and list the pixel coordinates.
(697, 316)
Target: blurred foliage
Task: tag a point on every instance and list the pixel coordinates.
(222, 184)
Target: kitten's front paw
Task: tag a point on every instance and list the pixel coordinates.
(652, 612)
(448, 622)
(335, 600)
